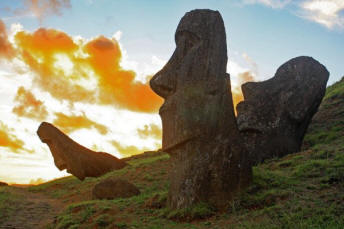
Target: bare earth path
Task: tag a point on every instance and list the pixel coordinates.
(35, 211)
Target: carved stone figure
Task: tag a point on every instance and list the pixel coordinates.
(199, 127)
(275, 113)
(78, 160)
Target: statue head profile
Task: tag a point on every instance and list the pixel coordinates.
(194, 82)
(276, 112)
(198, 122)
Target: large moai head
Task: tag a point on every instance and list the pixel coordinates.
(276, 113)
(194, 82)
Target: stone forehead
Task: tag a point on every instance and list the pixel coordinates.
(302, 71)
(201, 22)
(304, 65)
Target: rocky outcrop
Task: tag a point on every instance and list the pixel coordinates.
(199, 127)
(275, 113)
(112, 188)
(78, 160)
(3, 184)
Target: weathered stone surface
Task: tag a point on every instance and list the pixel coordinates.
(199, 127)
(114, 188)
(78, 160)
(3, 184)
(275, 113)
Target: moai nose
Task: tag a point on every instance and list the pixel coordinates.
(163, 83)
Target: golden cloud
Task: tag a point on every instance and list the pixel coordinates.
(37, 181)
(29, 106)
(236, 90)
(127, 151)
(118, 85)
(151, 130)
(6, 49)
(71, 123)
(7, 139)
(97, 60)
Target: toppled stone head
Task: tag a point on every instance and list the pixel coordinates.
(275, 113)
(199, 126)
(76, 159)
(194, 82)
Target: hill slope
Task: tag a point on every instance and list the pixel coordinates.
(302, 190)
(328, 123)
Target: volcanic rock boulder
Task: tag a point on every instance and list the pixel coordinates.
(199, 127)
(275, 113)
(78, 160)
(112, 188)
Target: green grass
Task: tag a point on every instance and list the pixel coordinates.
(8, 202)
(198, 211)
(303, 190)
(336, 90)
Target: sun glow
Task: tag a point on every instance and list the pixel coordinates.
(89, 88)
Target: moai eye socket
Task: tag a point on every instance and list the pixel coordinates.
(186, 39)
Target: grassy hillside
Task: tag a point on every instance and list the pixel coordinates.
(303, 190)
(327, 126)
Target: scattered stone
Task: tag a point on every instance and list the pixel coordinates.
(276, 113)
(78, 160)
(3, 184)
(113, 188)
(199, 126)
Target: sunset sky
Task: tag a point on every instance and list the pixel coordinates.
(83, 65)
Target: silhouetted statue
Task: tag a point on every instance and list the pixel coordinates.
(276, 113)
(199, 127)
(78, 160)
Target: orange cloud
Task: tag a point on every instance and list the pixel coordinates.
(236, 90)
(127, 151)
(39, 52)
(29, 106)
(100, 59)
(6, 49)
(115, 83)
(74, 122)
(151, 130)
(43, 8)
(9, 140)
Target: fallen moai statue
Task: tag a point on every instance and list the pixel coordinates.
(77, 159)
